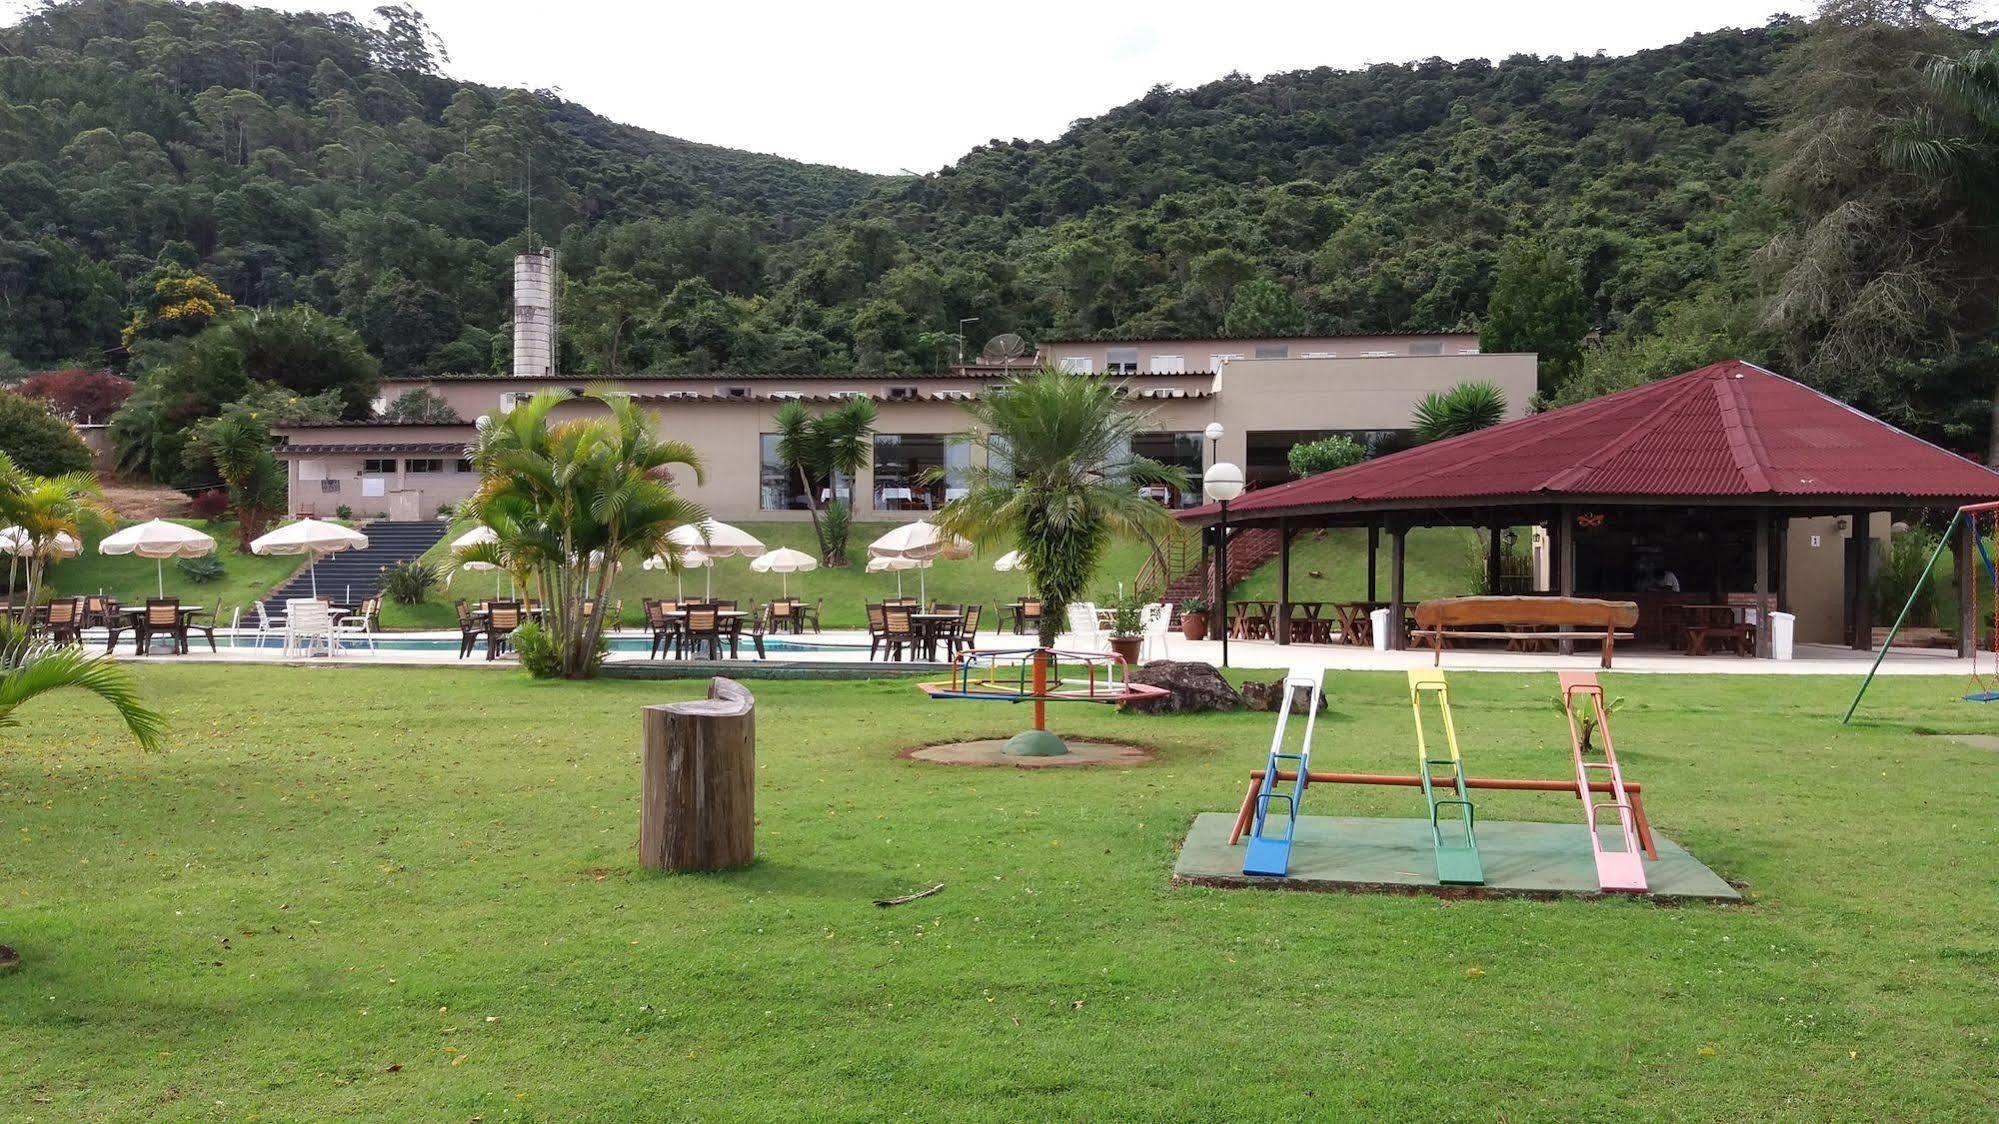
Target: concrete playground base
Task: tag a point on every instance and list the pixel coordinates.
(992, 751)
(1398, 856)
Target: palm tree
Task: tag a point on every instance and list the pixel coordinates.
(566, 500)
(29, 670)
(839, 442)
(1059, 481)
(45, 507)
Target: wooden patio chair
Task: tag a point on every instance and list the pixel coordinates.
(783, 617)
(502, 618)
(205, 626)
(665, 630)
(1029, 618)
(968, 630)
(704, 627)
(162, 618)
(877, 627)
(470, 628)
(65, 621)
(808, 614)
(898, 631)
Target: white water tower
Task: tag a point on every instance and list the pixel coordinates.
(535, 287)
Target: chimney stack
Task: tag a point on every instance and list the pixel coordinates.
(534, 314)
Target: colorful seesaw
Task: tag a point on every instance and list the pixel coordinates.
(1620, 868)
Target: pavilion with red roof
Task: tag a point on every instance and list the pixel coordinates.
(1725, 480)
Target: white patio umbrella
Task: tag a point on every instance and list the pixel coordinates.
(159, 540)
(310, 536)
(14, 540)
(477, 536)
(898, 565)
(689, 559)
(784, 562)
(715, 540)
(1009, 562)
(921, 540)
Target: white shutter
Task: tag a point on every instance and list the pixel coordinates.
(312, 470)
(1077, 365)
(1169, 364)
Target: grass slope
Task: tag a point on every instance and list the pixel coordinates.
(1441, 562)
(245, 577)
(313, 904)
(845, 591)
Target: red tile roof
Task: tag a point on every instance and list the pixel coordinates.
(1728, 430)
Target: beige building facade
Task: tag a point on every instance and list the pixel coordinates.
(1265, 406)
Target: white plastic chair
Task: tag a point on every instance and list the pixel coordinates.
(308, 622)
(1153, 622)
(268, 625)
(1083, 628)
(358, 627)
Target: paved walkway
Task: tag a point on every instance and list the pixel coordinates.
(851, 647)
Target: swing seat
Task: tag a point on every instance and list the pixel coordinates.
(1982, 696)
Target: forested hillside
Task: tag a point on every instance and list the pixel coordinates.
(1814, 194)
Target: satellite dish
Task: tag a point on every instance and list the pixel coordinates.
(1003, 349)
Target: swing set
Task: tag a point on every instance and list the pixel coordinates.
(1983, 688)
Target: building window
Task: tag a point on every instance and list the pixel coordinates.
(1121, 361)
(901, 393)
(328, 485)
(423, 465)
(778, 488)
(372, 466)
(902, 463)
(1169, 364)
(463, 465)
(1075, 364)
(510, 398)
(1273, 351)
(1427, 347)
(735, 392)
(1175, 450)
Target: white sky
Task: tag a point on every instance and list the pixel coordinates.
(894, 85)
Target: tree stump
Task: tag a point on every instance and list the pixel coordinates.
(697, 806)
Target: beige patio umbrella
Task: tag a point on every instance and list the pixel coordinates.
(15, 540)
(784, 562)
(920, 541)
(689, 560)
(313, 537)
(1009, 562)
(477, 536)
(159, 540)
(898, 565)
(715, 540)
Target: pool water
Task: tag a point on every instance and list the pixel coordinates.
(393, 643)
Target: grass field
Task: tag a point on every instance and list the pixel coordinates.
(245, 577)
(412, 895)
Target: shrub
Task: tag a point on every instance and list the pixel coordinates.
(1462, 409)
(539, 656)
(408, 583)
(209, 504)
(1310, 458)
(1125, 612)
(421, 405)
(202, 570)
(834, 525)
(1901, 566)
(39, 441)
(344, 512)
(83, 396)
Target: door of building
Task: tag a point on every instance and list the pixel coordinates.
(403, 504)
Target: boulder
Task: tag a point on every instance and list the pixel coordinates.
(1191, 687)
(1270, 696)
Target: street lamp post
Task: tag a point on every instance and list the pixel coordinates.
(1222, 482)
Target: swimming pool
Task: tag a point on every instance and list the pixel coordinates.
(390, 642)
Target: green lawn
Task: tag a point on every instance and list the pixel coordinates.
(246, 578)
(396, 894)
(845, 591)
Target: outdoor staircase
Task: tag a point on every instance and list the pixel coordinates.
(1249, 549)
(354, 575)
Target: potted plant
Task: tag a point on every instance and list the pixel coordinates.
(1127, 636)
(1194, 618)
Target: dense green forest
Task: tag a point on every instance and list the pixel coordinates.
(1625, 216)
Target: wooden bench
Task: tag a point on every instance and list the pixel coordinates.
(1517, 619)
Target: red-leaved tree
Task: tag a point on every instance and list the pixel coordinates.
(79, 395)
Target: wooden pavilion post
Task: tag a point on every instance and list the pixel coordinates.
(1398, 554)
(1492, 558)
(1565, 561)
(1859, 568)
(1373, 547)
(1282, 627)
(1967, 587)
(1763, 583)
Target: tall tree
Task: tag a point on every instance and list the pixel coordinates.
(1537, 305)
(1263, 307)
(821, 450)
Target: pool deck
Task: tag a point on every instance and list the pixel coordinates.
(849, 649)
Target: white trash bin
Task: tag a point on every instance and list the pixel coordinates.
(1782, 628)
(1378, 624)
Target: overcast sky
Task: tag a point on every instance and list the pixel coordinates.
(892, 86)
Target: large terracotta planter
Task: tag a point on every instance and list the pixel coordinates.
(1194, 626)
(1127, 648)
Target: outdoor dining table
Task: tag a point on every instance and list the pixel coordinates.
(733, 616)
(931, 626)
(137, 613)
